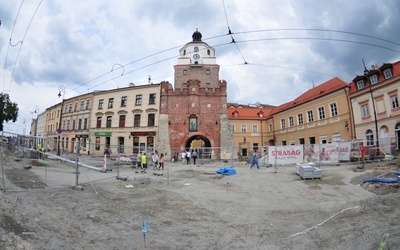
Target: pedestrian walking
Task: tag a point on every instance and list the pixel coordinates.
(161, 162)
(194, 156)
(183, 157)
(144, 162)
(154, 160)
(254, 160)
(138, 162)
(188, 155)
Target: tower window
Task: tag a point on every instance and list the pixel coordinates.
(184, 52)
(208, 52)
(196, 49)
(185, 72)
(207, 71)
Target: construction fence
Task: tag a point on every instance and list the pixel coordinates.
(29, 163)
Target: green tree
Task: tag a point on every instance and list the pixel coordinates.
(8, 110)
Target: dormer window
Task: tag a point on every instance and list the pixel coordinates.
(360, 84)
(235, 113)
(196, 49)
(387, 73)
(260, 114)
(373, 79)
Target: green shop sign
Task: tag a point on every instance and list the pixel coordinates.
(102, 133)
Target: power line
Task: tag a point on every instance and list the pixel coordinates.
(22, 41)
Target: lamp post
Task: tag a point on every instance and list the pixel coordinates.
(375, 119)
(61, 92)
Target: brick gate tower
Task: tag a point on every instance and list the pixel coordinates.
(194, 109)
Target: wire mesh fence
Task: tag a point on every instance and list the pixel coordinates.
(35, 163)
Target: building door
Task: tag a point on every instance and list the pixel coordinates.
(397, 135)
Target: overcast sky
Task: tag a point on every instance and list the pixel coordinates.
(288, 45)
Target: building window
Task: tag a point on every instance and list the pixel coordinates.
(68, 122)
(110, 103)
(283, 143)
(244, 128)
(300, 119)
(283, 123)
(207, 71)
(387, 73)
(301, 141)
(70, 108)
(66, 109)
(395, 102)
(82, 105)
(122, 121)
(310, 116)
(369, 137)
(73, 124)
(208, 85)
(97, 143)
(373, 79)
(360, 84)
(232, 128)
(291, 121)
(79, 124)
(98, 124)
(151, 120)
(321, 113)
(76, 107)
(255, 146)
(208, 52)
(152, 99)
(334, 111)
(136, 121)
(124, 100)
(255, 129)
(196, 49)
(101, 102)
(138, 100)
(87, 104)
(85, 123)
(270, 128)
(365, 111)
(184, 72)
(109, 120)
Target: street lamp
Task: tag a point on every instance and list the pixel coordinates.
(373, 106)
(61, 92)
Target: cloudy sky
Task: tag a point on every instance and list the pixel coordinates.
(282, 48)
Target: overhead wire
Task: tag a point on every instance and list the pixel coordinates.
(10, 44)
(22, 42)
(231, 34)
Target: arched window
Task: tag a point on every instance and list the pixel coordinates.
(208, 52)
(196, 49)
(369, 135)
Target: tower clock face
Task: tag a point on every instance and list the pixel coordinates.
(196, 56)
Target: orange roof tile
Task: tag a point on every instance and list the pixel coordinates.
(323, 89)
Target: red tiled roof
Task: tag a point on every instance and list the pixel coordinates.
(323, 89)
(248, 112)
(396, 71)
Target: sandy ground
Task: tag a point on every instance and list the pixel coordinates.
(190, 207)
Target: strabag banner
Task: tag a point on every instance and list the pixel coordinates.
(285, 154)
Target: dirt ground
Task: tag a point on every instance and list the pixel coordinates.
(190, 207)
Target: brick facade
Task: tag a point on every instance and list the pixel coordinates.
(197, 95)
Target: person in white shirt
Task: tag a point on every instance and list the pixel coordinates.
(183, 157)
(188, 157)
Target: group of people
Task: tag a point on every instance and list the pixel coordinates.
(188, 155)
(156, 160)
